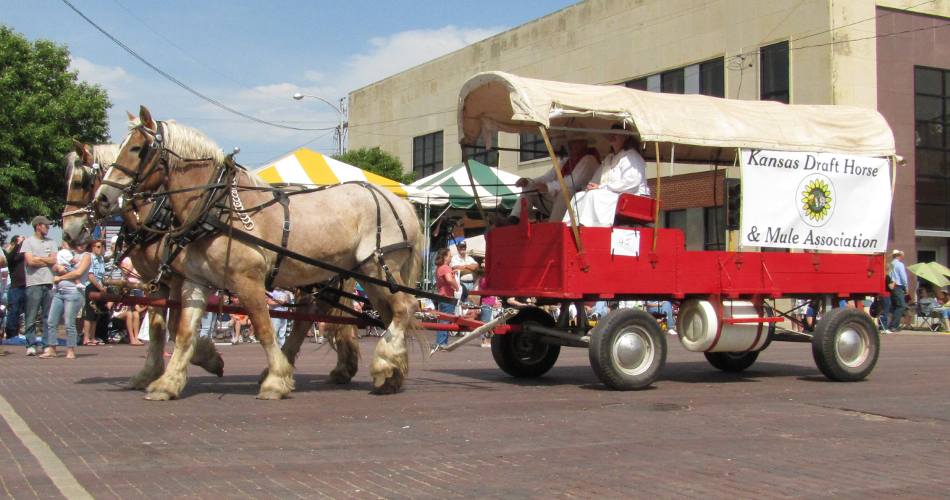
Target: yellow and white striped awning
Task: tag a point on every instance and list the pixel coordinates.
(309, 168)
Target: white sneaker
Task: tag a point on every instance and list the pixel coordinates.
(671, 331)
(31, 351)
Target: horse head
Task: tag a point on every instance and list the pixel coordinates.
(83, 175)
(138, 166)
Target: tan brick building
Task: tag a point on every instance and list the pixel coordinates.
(893, 55)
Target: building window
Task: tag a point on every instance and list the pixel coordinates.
(773, 77)
(480, 154)
(673, 82)
(532, 147)
(712, 78)
(639, 84)
(675, 219)
(932, 152)
(714, 228)
(427, 154)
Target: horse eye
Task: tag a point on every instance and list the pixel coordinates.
(135, 149)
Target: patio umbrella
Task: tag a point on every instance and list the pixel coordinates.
(453, 187)
(309, 168)
(933, 272)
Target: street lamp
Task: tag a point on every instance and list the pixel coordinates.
(341, 111)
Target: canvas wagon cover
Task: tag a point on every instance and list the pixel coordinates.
(510, 103)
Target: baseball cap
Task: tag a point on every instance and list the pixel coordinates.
(39, 219)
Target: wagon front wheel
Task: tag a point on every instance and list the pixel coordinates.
(521, 354)
(845, 345)
(627, 349)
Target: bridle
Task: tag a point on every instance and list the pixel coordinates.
(155, 146)
(87, 183)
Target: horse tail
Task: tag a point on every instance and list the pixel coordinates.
(410, 273)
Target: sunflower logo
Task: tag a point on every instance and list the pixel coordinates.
(816, 199)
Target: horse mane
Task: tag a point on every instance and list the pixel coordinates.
(105, 154)
(190, 143)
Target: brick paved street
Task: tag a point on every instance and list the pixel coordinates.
(463, 429)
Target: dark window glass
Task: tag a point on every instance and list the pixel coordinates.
(427, 154)
(932, 155)
(929, 135)
(714, 219)
(931, 216)
(672, 82)
(928, 81)
(532, 147)
(773, 77)
(639, 84)
(931, 189)
(932, 162)
(675, 219)
(928, 108)
(480, 154)
(712, 80)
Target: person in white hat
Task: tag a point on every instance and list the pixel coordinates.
(544, 192)
(898, 274)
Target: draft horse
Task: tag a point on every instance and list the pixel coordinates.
(348, 226)
(84, 171)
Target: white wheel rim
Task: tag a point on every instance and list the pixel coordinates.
(852, 345)
(632, 351)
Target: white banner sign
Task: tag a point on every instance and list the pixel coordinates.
(818, 201)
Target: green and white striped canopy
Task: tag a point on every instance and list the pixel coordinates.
(452, 186)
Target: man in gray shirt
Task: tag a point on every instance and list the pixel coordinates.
(39, 255)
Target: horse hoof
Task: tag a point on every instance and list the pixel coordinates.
(270, 395)
(391, 385)
(141, 382)
(338, 376)
(159, 396)
(217, 367)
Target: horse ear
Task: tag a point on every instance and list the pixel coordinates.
(146, 118)
(83, 151)
(130, 116)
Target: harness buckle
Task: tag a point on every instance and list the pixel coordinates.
(286, 225)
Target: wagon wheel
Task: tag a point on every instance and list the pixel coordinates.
(733, 362)
(627, 349)
(845, 345)
(522, 354)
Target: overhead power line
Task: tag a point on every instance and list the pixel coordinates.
(184, 86)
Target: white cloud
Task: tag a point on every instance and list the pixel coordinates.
(113, 78)
(400, 51)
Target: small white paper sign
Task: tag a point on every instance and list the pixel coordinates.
(625, 242)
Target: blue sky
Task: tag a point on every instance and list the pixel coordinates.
(254, 55)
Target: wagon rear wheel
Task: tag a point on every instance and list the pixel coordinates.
(627, 349)
(845, 345)
(521, 354)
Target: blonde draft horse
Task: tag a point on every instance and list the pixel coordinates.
(337, 226)
(82, 180)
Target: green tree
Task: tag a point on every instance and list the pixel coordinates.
(43, 106)
(377, 161)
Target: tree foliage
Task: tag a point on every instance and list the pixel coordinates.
(377, 161)
(43, 106)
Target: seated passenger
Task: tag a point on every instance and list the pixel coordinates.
(545, 191)
(622, 171)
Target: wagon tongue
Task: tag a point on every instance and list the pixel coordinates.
(487, 327)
